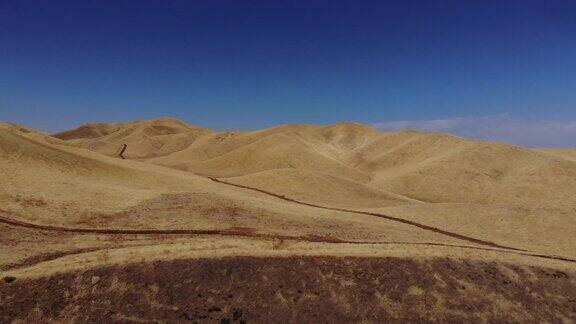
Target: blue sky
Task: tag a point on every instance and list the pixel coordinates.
(252, 64)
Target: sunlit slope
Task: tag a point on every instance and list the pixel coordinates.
(146, 138)
(443, 168)
(272, 152)
(58, 185)
(566, 153)
(193, 148)
(321, 188)
(41, 176)
(305, 147)
(429, 167)
(38, 176)
(546, 229)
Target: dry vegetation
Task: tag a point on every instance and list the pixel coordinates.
(294, 223)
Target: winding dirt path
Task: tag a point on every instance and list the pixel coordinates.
(5, 217)
(390, 218)
(8, 219)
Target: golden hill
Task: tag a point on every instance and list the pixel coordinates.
(146, 138)
(379, 225)
(431, 167)
(49, 183)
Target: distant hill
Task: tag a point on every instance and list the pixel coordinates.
(429, 167)
(419, 224)
(146, 138)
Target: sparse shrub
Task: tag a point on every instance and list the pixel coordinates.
(31, 201)
(278, 244)
(9, 279)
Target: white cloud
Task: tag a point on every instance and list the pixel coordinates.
(503, 128)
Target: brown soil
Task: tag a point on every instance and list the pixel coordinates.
(296, 290)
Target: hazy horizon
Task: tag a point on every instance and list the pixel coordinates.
(499, 128)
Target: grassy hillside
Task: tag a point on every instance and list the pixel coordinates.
(430, 167)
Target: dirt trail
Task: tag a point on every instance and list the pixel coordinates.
(391, 218)
(6, 218)
(9, 219)
(232, 232)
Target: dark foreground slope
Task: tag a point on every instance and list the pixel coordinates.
(297, 289)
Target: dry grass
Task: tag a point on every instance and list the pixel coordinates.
(516, 197)
(296, 290)
(34, 202)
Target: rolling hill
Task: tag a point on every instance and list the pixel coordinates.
(202, 225)
(430, 167)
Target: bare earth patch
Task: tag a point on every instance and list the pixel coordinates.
(296, 290)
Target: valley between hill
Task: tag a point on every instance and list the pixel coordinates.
(333, 223)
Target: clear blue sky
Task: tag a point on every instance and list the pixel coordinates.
(250, 64)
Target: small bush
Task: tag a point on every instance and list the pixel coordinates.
(33, 202)
(9, 279)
